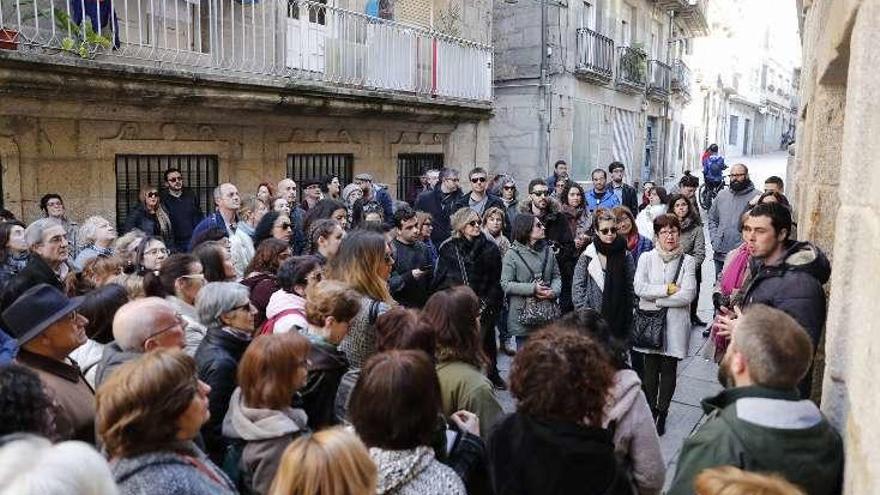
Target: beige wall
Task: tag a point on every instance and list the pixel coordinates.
(836, 191)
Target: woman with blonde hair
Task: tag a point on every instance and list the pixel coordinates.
(363, 262)
(728, 480)
(331, 462)
(96, 235)
(150, 217)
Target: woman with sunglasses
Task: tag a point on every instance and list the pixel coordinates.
(603, 278)
(273, 225)
(150, 217)
(470, 258)
(179, 282)
(511, 205)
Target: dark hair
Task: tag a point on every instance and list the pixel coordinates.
(666, 220)
(689, 180)
(590, 322)
(713, 148)
(24, 405)
(263, 230)
(6, 215)
(326, 180)
(396, 401)
(447, 172)
(211, 257)
(5, 234)
(780, 216)
(169, 172)
(662, 194)
(615, 165)
(453, 314)
(99, 307)
(44, 201)
(295, 271)
(521, 230)
(322, 209)
(536, 182)
(265, 258)
(405, 329)
(478, 170)
(572, 185)
(321, 228)
(779, 197)
(174, 267)
(213, 234)
(557, 164)
(562, 375)
(403, 214)
(773, 179)
(692, 212)
(599, 171)
(141, 249)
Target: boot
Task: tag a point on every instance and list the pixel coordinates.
(695, 320)
(661, 422)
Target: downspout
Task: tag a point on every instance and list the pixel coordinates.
(546, 95)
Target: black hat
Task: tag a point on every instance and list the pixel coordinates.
(35, 310)
(311, 181)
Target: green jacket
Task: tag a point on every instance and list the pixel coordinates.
(518, 284)
(463, 386)
(764, 430)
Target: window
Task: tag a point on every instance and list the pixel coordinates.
(316, 14)
(132, 171)
(734, 129)
(301, 167)
(411, 166)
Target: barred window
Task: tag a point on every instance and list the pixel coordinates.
(318, 165)
(199, 175)
(411, 166)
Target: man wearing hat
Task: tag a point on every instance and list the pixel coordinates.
(375, 194)
(48, 328)
(311, 193)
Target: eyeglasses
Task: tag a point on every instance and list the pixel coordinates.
(668, 233)
(245, 306)
(474, 223)
(738, 175)
(175, 179)
(541, 193)
(152, 194)
(178, 322)
(611, 230)
(73, 315)
(478, 179)
(156, 251)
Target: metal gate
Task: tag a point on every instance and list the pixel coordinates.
(199, 175)
(411, 166)
(301, 167)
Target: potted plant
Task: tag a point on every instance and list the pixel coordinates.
(8, 39)
(84, 41)
(16, 11)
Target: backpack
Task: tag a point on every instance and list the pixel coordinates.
(268, 327)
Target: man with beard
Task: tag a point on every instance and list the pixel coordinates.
(558, 234)
(626, 194)
(759, 423)
(440, 203)
(600, 196)
(183, 208)
(411, 274)
(725, 213)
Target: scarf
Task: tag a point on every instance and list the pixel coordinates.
(632, 240)
(667, 256)
(616, 302)
(734, 273)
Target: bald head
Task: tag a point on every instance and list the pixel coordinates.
(287, 190)
(141, 320)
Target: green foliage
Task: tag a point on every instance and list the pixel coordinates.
(83, 40)
(635, 63)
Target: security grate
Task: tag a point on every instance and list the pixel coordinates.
(411, 166)
(318, 165)
(199, 175)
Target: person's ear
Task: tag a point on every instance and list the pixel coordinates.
(225, 319)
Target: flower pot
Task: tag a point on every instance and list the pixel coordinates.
(8, 39)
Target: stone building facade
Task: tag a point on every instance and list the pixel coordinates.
(835, 189)
(590, 82)
(354, 94)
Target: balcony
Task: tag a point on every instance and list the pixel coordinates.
(693, 18)
(276, 43)
(681, 78)
(595, 56)
(632, 66)
(659, 75)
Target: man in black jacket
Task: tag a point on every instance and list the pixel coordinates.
(411, 274)
(440, 203)
(479, 199)
(625, 193)
(48, 262)
(182, 207)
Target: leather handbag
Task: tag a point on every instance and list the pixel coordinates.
(538, 312)
(649, 327)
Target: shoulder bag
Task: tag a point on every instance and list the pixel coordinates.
(538, 312)
(650, 325)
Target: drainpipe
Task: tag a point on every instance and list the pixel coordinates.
(546, 95)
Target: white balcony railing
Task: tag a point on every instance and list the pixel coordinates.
(282, 41)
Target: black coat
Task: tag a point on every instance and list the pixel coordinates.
(405, 289)
(184, 213)
(482, 262)
(34, 273)
(630, 198)
(558, 233)
(441, 207)
(328, 364)
(216, 364)
(139, 218)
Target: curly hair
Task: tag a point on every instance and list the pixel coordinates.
(454, 314)
(24, 405)
(267, 257)
(562, 375)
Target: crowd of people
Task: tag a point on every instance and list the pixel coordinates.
(347, 343)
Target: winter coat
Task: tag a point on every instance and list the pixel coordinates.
(511, 209)
(212, 221)
(87, 357)
(645, 219)
(139, 218)
(282, 300)
(8, 348)
(360, 342)
(652, 277)
(194, 331)
(589, 280)
(405, 289)
(532, 456)
(794, 285)
(36, 272)
(266, 433)
(693, 242)
(642, 246)
(112, 358)
(216, 364)
(464, 386)
(518, 284)
(628, 196)
(492, 201)
(170, 471)
(558, 234)
(764, 430)
(482, 262)
(579, 223)
(635, 436)
(298, 241)
(184, 213)
(501, 241)
(724, 219)
(441, 207)
(89, 252)
(242, 249)
(262, 286)
(73, 400)
(11, 266)
(608, 200)
(414, 472)
(327, 365)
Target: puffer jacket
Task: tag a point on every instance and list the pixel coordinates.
(183, 468)
(794, 285)
(518, 284)
(266, 433)
(282, 300)
(724, 218)
(414, 472)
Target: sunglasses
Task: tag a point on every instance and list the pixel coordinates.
(509, 188)
(175, 179)
(474, 223)
(284, 226)
(152, 194)
(612, 230)
(540, 193)
(476, 180)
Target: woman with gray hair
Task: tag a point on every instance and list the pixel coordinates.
(226, 310)
(96, 235)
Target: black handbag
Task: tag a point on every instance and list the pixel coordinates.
(538, 312)
(649, 327)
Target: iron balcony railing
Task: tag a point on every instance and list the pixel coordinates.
(631, 67)
(681, 77)
(284, 41)
(659, 75)
(595, 54)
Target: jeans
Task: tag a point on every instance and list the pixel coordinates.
(659, 382)
(719, 265)
(503, 333)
